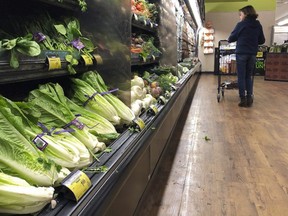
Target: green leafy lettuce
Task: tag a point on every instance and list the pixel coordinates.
(17, 154)
(95, 80)
(18, 196)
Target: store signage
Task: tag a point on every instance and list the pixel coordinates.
(260, 63)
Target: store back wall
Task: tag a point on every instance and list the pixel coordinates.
(225, 21)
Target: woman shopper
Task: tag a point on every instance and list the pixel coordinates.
(248, 34)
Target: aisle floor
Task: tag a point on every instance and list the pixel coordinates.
(223, 159)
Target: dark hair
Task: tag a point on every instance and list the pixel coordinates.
(249, 12)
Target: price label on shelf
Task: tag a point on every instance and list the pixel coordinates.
(54, 63)
(259, 55)
(135, 16)
(139, 123)
(167, 94)
(173, 88)
(87, 60)
(153, 109)
(162, 100)
(77, 183)
(98, 59)
(151, 24)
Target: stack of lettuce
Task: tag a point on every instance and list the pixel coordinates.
(48, 134)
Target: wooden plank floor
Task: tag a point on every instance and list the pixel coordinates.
(241, 171)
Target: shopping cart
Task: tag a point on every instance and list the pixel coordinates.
(226, 66)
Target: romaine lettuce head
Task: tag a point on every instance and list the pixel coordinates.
(19, 197)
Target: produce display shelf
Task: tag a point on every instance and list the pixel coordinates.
(66, 4)
(139, 25)
(20, 76)
(136, 59)
(36, 68)
(144, 24)
(124, 150)
(115, 161)
(38, 74)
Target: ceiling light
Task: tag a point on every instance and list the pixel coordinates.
(280, 29)
(195, 8)
(283, 22)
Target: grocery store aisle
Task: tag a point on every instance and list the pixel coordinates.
(223, 159)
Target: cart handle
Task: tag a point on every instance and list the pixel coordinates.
(223, 42)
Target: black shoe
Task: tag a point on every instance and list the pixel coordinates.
(249, 101)
(243, 102)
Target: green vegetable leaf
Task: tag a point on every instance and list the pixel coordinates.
(30, 48)
(108, 150)
(68, 58)
(14, 63)
(73, 33)
(98, 125)
(95, 80)
(61, 29)
(9, 44)
(73, 24)
(73, 30)
(89, 46)
(19, 196)
(83, 5)
(71, 69)
(28, 37)
(18, 156)
(49, 100)
(80, 95)
(74, 61)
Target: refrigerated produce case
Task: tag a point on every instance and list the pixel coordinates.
(132, 160)
(135, 154)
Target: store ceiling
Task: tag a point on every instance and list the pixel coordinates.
(281, 10)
